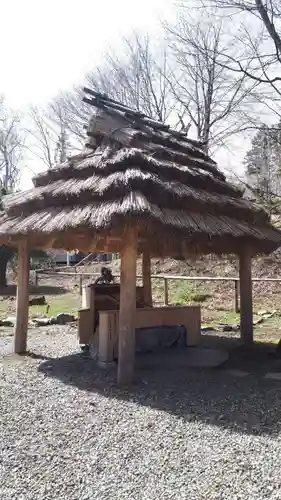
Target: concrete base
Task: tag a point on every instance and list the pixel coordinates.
(273, 376)
(191, 357)
(106, 366)
(236, 373)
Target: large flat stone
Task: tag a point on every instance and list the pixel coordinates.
(236, 373)
(190, 357)
(273, 376)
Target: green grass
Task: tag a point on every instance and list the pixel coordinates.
(226, 317)
(186, 292)
(67, 303)
(179, 291)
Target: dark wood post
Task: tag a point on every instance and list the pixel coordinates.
(146, 278)
(126, 341)
(246, 299)
(20, 338)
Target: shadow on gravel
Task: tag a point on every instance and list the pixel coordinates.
(248, 405)
(11, 290)
(34, 355)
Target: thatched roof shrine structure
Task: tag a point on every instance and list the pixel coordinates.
(138, 187)
(139, 171)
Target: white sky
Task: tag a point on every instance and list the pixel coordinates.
(47, 46)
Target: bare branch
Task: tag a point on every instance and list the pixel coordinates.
(11, 146)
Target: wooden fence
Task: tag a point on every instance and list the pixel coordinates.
(165, 278)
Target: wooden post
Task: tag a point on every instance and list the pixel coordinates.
(20, 337)
(126, 340)
(166, 292)
(246, 299)
(236, 302)
(146, 278)
(80, 284)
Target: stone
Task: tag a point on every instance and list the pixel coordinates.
(273, 376)
(231, 328)
(38, 301)
(207, 328)
(64, 318)
(42, 321)
(6, 322)
(106, 365)
(149, 339)
(266, 314)
(236, 373)
(258, 321)
(11, 320)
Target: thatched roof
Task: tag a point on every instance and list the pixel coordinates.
(137, 171)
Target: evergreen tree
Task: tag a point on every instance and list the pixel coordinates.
(263, 166)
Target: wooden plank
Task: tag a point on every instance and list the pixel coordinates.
(126, 341)
(246, 299)
(20, 337)
(163, 276)
(85, 326)
(146, 278)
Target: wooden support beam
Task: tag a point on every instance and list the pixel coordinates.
(20, 337)
(146, 278)
(246, 298)
(126, 342)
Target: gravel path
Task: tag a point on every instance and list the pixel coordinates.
(67, 431)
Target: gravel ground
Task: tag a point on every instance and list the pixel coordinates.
(67, 431)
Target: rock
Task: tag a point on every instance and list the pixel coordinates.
(153, 338)
(207, 328)
(201, 297)
(261, 313)
(6, 322)
(42, 321)
(38, 301)
(266, 314)
(231, 328)
(258, 321)
(9, 321)
(64, 318)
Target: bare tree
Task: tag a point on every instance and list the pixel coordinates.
(137, 75)
(260, 27)
(69, 109)
(140, 75)
(48, 139)
(213, 99)
(11, 153)
(11, 146)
